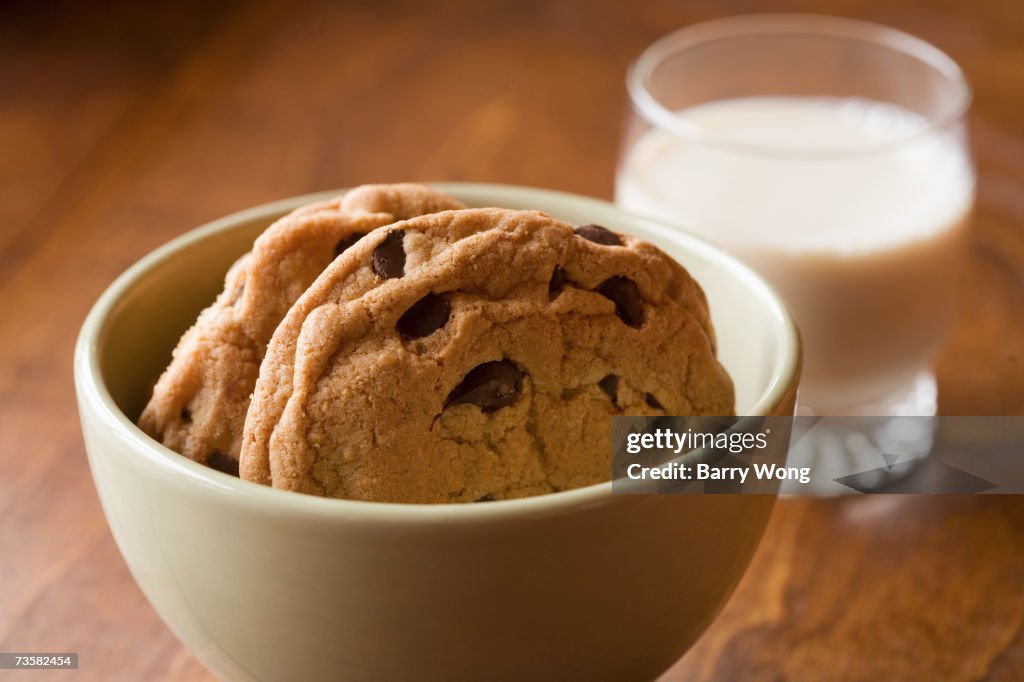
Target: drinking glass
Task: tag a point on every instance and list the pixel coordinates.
(831, 155)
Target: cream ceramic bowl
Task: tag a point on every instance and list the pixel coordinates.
(268, 585)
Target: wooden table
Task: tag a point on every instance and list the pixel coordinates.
(121, 128)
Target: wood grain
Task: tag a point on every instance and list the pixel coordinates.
(122, 126)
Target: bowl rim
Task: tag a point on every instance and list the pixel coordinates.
(93, 391)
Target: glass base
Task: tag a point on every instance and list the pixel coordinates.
(881, 442)
(918, 399)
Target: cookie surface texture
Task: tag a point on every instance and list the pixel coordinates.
(477, 355)
(198, 405)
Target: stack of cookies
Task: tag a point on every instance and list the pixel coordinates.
(393, 345)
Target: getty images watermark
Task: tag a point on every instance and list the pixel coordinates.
(818, 455)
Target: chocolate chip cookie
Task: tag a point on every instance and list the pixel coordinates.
(477, 355)
(198, 405)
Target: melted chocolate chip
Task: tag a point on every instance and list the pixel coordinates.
(186, 414)
(389, 256)
(425, 317)
(347, 243)
(624, 293)
(489, 386)
(610, 385)
(599, 235)
(557, 282)
(652, 401)
(221, 462)
(487, 498)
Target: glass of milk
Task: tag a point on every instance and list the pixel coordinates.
(831, 155)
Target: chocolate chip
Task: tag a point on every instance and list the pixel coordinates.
(346, 243)
(599, 235)
(652, 401)
(626, 296)
(557, 283)
(425, 317)
(186, 414)
(610, 385)
(489, 386)
(487, 498)
(389, 256)
(221, 462)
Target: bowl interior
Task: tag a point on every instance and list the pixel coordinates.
(127, 340)
(162, 300)
(159, 298)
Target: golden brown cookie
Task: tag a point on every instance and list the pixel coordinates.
(198, 405)
(475, 355)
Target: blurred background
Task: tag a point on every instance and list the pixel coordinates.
(123, 125)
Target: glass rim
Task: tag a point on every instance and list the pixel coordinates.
(657, 114)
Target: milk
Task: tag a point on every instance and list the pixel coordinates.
(852, 209)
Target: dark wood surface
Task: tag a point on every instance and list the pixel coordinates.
(121, 127)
